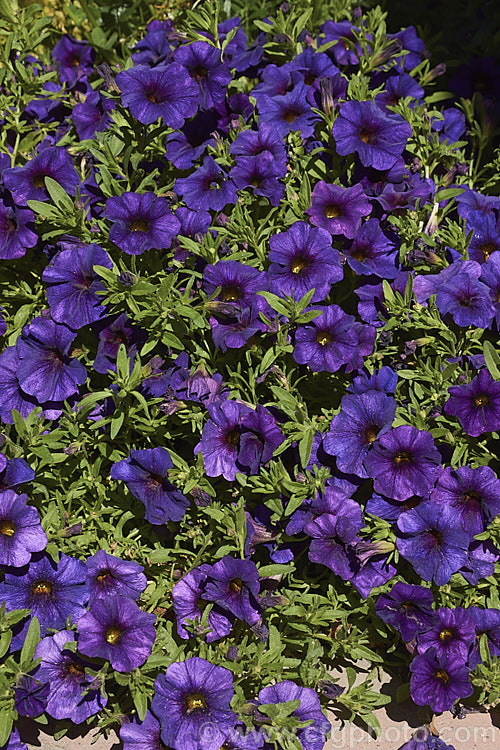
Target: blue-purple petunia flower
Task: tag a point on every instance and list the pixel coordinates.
(189, 605)
(473, 493)
(21, 532)
(75, 59)
(52, 591)
(377, 137)
(117, 630)
(477, 404)
(361, 420)
(302, 258)
(312, 736)
(28, 182)
(17, 231)
(166, 91)
(142, 735)
(260, 174)
(288, 112)
(72, 285)
(145, 472)
(337, 209)
(46, 370)
(486, 622)
(141, 221)
(333, 340)
(191, 695)
(234, 585)
(108, 575)
(403, 462)
(453, 633)
(205, 67)
(372, 252)
(439, 681)
(408, 609)
(208, 187)
(432, 539)
(73, 694)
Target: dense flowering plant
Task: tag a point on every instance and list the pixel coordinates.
(249, 381)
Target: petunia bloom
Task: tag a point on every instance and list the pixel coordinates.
(145, 472)
(473, 493)
(72, 693)
(166, 91)
(189, 605)
(433, 541)
(477, 404)
(108, 575)
(141, 221)
(408, 609)
(234, 585)
(28, 182)
(45, 369)
(439, 681)
(21, 532)
(116, 629)
(191, 695)
(337, 209)
(453, 633)
(313, 736)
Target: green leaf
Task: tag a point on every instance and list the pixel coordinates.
(6, 722)
(492, 359)
(31, 641)
(59, 196)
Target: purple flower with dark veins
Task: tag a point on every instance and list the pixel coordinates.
(108, 575)
(439, 681)
(473, 493)
(476, 405)
(408, 609)
(21, 532)
(337, 209)
(234, 585)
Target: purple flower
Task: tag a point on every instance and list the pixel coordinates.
(144, 735)
(372, 252)
(260, 174)
(262, 141)
(191, 695)
(189, 605)
(233, 585)
(52, 591)
(334, 532)
(260, 436)
(399, 87)
(234, 333)
(473, 493)
(433, 541)
(45, 370)
(75, 58)
(166, 91)
(486, 622)
(16, 231)
(221, 437)
(92, 116)
(347, 49)
(383, 380)
(20, 530)
(361, 420)
(239, 283)
(289, 112)
(422, 739)
(14, 742)
(116, 629)
(110, 576)
(477, 404)
(118, 332)
(28, 182)
(145, 472)
(403, 462)
(333, 340)
(490, 275)
(467, 300)
(377, 137)
(73, 693)
(486, 235)
(313, 736)
(11, 394)
(453, 633)
(313, 65)
(208, 187)
(470, 201)
(31, 696)
(408, 609)
(141, 221)
(439, 681)
(337, 209)
(205, 67)
(302, 258)
(480, 561)
(72, 285)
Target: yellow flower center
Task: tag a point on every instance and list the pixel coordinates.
(445, 634)
(139, 225)
(481, 400)
(236, 584)
(323, 338)
(298, 265)
(332, 211)
(195, 701)
(113, 634)
(42, 587)
(7, 528)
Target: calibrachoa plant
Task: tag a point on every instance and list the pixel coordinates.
(249, 383)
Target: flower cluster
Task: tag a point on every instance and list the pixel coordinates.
(248, 382)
